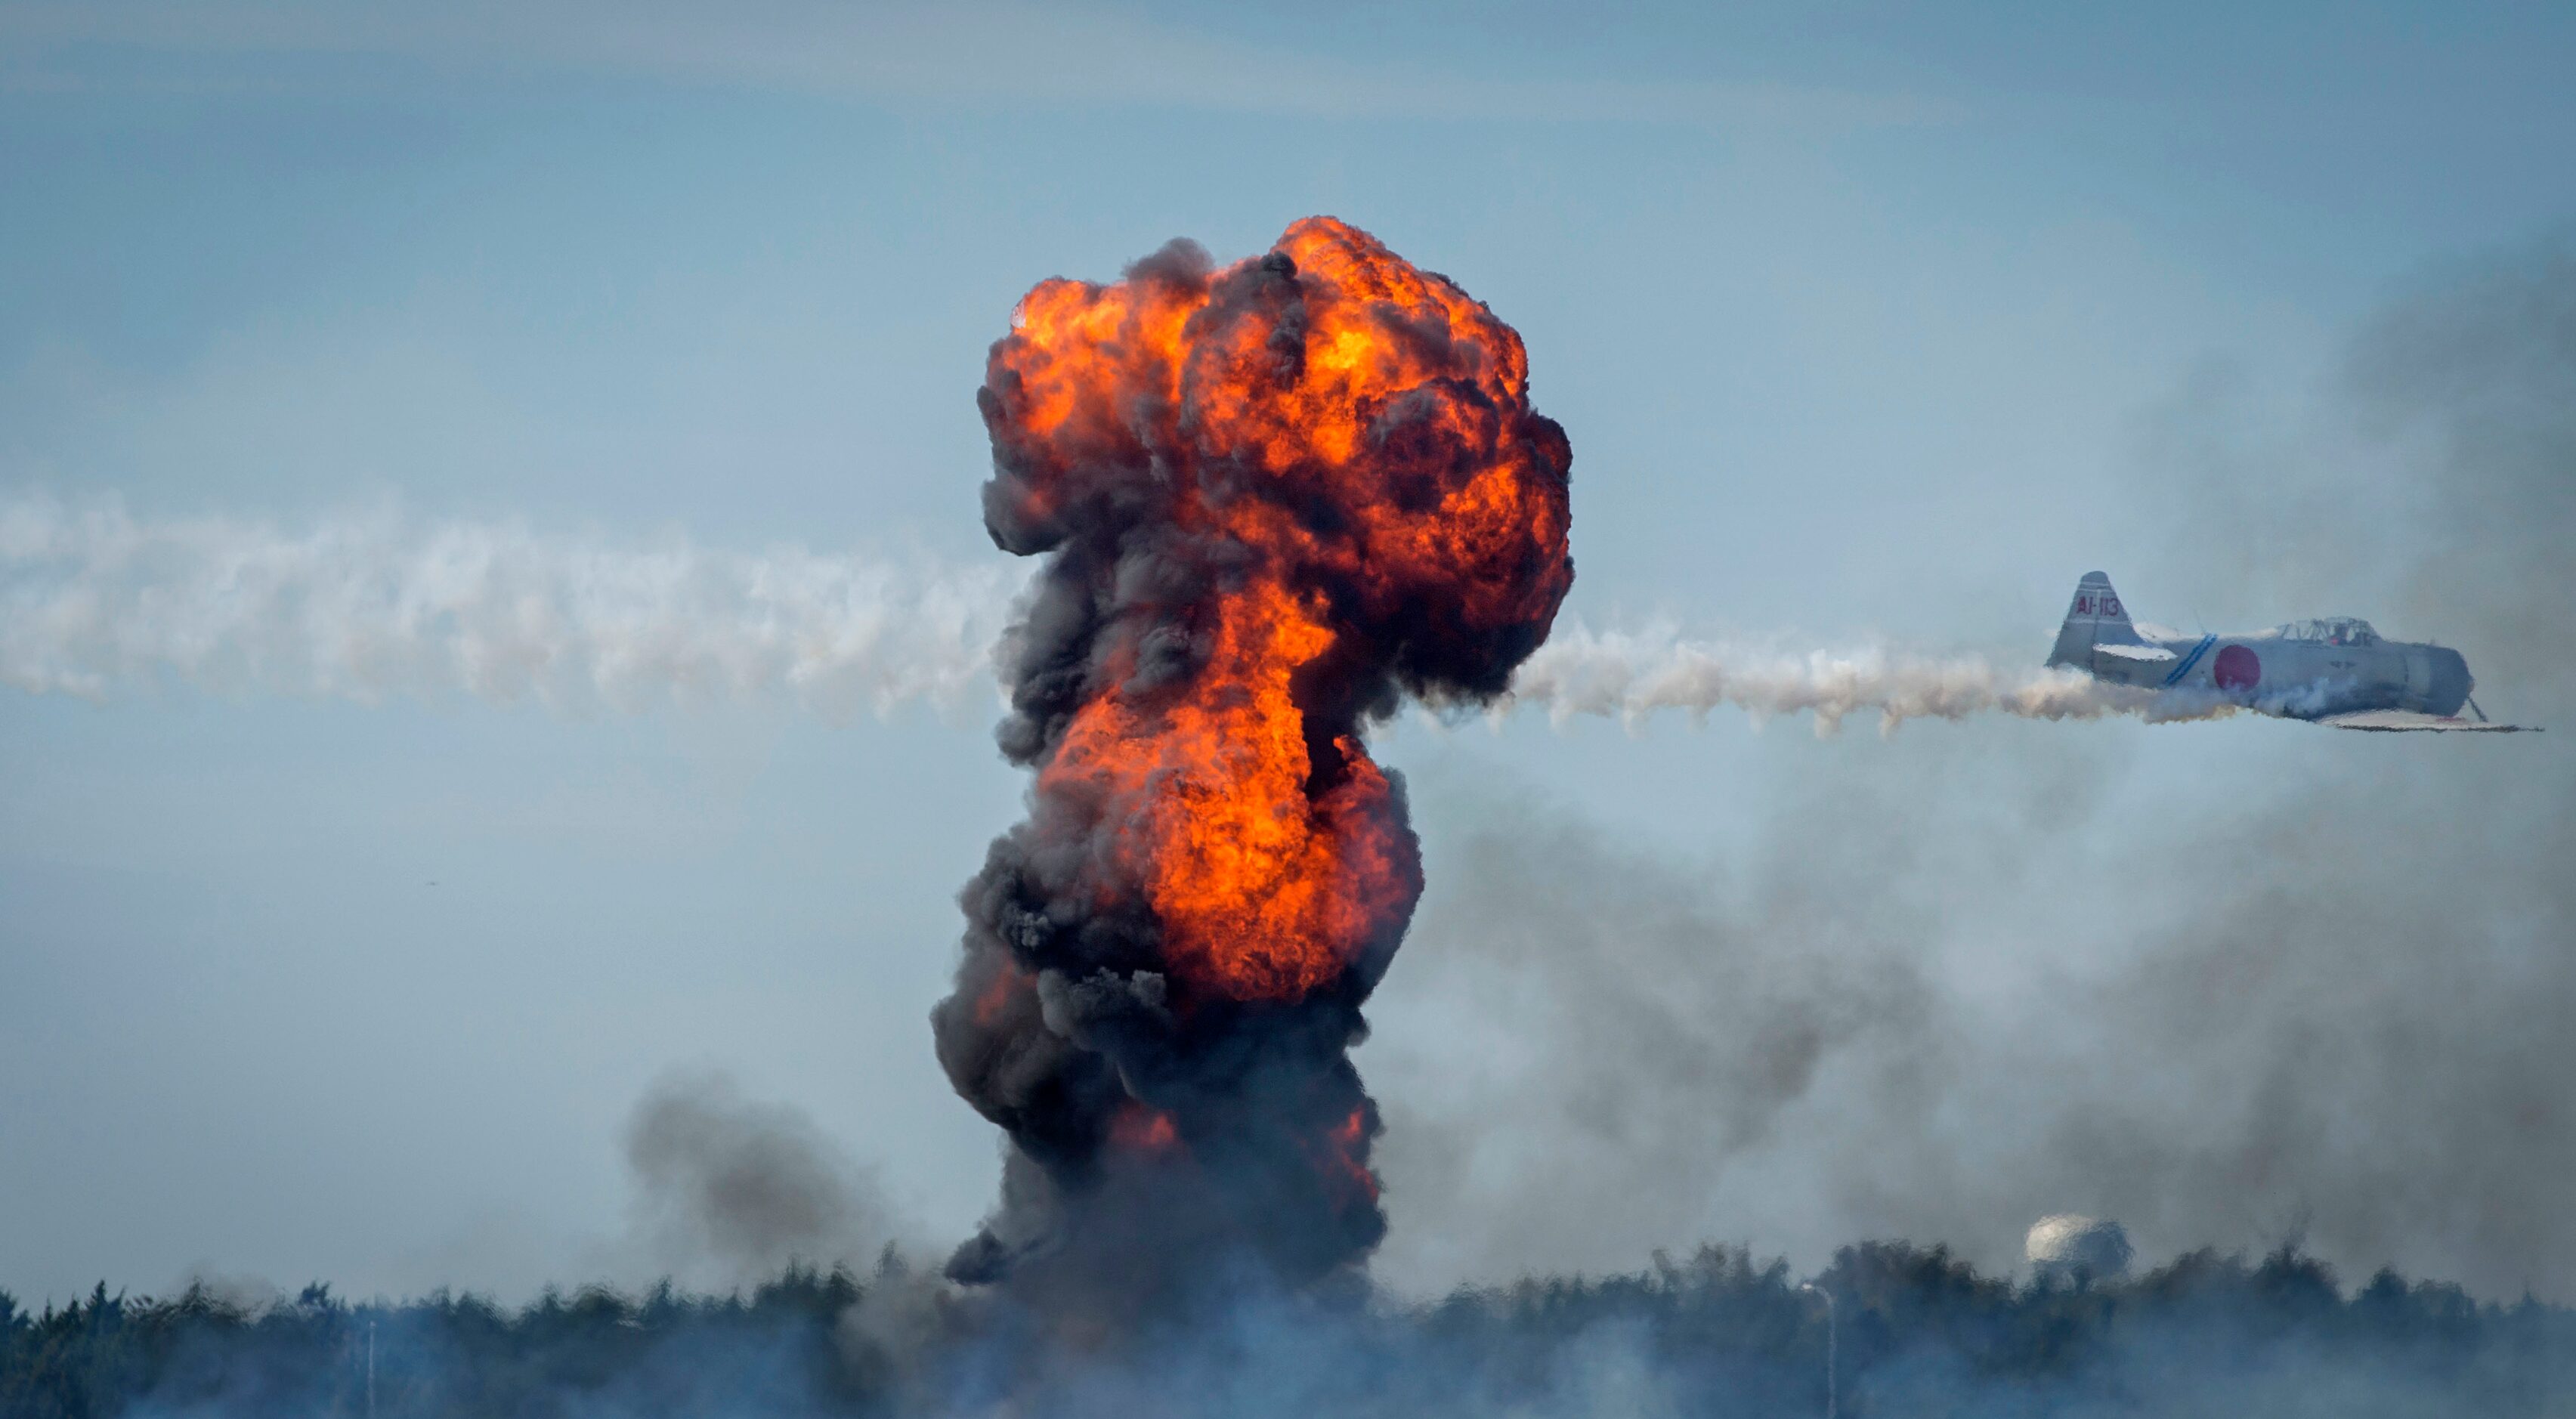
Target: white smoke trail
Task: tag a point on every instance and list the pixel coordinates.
(94, 601)
(1630, 676)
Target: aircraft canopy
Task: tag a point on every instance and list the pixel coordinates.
(2332, 630)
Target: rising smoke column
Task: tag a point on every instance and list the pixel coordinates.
(1273, 499)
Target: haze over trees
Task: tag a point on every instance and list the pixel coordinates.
(1919, 1333)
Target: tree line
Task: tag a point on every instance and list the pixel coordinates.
(1915, 1331)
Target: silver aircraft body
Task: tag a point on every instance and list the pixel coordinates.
(2333, 670)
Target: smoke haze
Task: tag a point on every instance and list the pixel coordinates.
(1981, 976)
(730, 1192)
(1959, 983)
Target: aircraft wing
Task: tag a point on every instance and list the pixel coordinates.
(2134, 652)
(2409, 722)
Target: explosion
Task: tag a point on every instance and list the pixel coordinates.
(1274, 499)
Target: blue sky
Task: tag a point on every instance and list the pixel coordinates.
(1866, 320)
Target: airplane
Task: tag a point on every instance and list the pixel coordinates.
(2333, 670)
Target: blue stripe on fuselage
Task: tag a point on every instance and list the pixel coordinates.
(2191, 660)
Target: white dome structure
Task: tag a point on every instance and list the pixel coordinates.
(2069, 1248)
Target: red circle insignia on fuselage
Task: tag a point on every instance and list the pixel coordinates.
(2237, 668)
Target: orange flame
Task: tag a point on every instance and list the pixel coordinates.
(1356, 434)
(1349, 1143)
(1008, 981)
(1264, 891)
(1142, 1128)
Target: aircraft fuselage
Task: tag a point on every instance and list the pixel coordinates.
(2303, 670)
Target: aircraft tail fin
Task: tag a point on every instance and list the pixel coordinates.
(2095, 617)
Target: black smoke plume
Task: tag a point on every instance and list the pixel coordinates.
(1272, 498)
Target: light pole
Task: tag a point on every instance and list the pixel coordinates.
(1829, 1342)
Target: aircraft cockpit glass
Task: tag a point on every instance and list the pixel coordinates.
(2333, 630)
